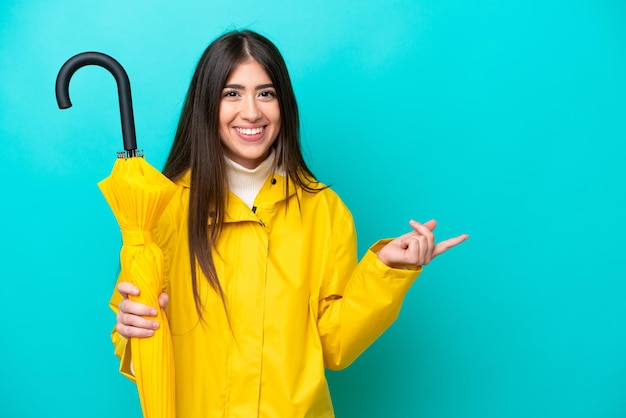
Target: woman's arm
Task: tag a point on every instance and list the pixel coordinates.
(358, 304)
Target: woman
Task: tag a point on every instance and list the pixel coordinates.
(263, 290)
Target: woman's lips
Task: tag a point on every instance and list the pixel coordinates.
(250, 134)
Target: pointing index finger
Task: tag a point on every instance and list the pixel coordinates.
(445, 245)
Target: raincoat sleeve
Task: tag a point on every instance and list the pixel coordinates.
(358, 302)
(163, 235)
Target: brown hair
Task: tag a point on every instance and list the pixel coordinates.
(197, 145)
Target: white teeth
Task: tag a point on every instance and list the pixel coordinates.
(246, 131)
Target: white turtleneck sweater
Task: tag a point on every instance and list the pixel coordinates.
(246, 183)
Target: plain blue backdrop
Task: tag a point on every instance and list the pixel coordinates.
(502, 119)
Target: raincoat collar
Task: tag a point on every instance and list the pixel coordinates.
(272, 193)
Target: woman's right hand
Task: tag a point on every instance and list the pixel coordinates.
(133, 317)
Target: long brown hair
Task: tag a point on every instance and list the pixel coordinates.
(197, 145)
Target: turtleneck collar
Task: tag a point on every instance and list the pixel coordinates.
(244, 182)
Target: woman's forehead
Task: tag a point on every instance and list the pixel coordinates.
(248, 72)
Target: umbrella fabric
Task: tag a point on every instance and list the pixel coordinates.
(138, 193)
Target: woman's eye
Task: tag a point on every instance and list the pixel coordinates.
(268, 94)
(231, 93)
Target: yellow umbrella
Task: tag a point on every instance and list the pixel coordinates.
(137, 194)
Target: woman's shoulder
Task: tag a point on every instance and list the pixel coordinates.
(323, 197)
(184, 180)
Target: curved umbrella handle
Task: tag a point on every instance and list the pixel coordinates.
(123, 89)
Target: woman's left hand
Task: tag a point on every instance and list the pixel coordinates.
(416, 248)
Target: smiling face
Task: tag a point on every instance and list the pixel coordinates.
(249, 114)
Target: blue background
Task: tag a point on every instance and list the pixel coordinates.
(504, 120)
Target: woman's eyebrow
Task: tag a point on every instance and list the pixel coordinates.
(234, 86)
(240, 87)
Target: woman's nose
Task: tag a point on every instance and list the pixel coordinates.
(251, 109)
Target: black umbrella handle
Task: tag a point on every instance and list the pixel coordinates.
(123, 89)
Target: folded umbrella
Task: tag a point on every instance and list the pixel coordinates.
(137, 194)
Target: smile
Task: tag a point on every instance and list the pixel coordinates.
(247, 131)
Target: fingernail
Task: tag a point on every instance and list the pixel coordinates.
(150, 332)
(155, 325)
(153, 312)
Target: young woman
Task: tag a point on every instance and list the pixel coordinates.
(263, 289)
